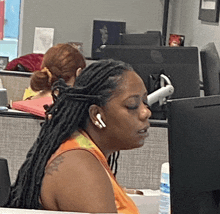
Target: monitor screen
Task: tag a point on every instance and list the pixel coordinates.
(151, 38)
(194, 153)
(210, 64)
(180, 64)
(3, 62)
(105, 33)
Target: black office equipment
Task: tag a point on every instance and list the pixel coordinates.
(194, 154)
(4, 181)
(180, 64)
(165, 21)
(210, 63)
(105, 33)
(151, 38)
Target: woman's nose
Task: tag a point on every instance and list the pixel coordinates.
(145, 112)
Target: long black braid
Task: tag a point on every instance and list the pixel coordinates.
(95, 85)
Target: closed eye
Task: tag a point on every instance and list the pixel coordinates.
(145, 101)
(132, 103)
(133, 107)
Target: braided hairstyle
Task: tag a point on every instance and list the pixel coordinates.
(69, 112)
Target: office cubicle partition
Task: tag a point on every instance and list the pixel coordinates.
(18, 132)
(15, 82)
(141, 168)
(137, 168)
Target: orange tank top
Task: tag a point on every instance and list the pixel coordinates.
(81, 140)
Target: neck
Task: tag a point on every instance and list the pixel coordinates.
(45, 93)
(98, 137)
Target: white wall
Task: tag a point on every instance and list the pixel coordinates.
(73, 20)
(198, 33)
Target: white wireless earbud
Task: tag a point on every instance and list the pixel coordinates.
(98, 116)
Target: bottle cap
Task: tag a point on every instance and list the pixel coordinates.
(165, 173)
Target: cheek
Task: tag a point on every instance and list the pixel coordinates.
(125, 129)
(123, 132)
(123, 122)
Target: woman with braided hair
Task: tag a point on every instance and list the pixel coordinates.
(66, 169)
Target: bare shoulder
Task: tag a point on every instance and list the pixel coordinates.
(76, 181)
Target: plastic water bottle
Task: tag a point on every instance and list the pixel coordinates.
(164, 207)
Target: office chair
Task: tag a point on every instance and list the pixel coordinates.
(4, 181)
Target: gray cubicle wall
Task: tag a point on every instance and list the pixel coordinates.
(18, 131)
(15, 82)
(141, 168)
(138, 168)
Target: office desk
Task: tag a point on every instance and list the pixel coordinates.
(147, 204)
(26, 211)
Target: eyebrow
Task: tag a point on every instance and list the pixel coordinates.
(137, 96)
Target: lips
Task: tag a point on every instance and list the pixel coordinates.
(143, 131)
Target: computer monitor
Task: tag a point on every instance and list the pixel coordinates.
(151, 38)
(105, 33)
(194, 153)
(3, 62)
(180, 64)
(210, 64)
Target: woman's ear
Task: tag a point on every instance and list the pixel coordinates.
(95, 110)
(78, 72)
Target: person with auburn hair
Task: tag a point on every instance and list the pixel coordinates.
(60, 61)
(71, 166)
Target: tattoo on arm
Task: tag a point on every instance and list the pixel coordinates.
(54, 165)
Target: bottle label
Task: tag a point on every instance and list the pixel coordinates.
(165, 178)
(164, 207)
(165, 188)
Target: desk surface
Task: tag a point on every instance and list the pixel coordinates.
(26, 211)
(16, 113)
(15, 73)
(147, 203)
